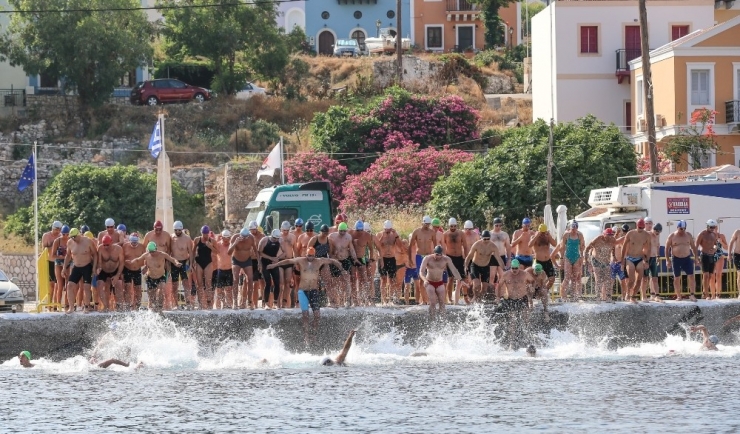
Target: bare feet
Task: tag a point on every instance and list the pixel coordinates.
(692, 298)
(656, 299)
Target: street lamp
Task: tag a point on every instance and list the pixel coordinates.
(511, 37)
(377, 27)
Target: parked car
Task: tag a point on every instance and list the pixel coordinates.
(250, 90)
(10, 294)
(346, 47)
(164, 90)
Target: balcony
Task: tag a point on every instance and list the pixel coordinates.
(624, 57)
(732, 112)
(357, 2)
(461, 6)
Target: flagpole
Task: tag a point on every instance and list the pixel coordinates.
(282, 165)
(36, 217)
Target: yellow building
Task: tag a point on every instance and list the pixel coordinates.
(697, 71)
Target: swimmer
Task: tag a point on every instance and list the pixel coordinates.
(710, 342)
(635, 258)
(430, 272)
(339, 360)
(531, 351)
(25, 359)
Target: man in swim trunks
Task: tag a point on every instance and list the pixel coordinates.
(480, 255)
(288, 243)
(542, 243)
(706, 242)
(518, 291)
(405, 274)
(635, 254)
(430, 272)
(83, 253)
(502, 242)
(163, 239)
(734, 250)
(342, 249)
(387, 242)
(182, 249)
(110, 266)
(422, 240)
(599, 256)
(678, 249)
(56, 255)
(258, 281)
(131, 273)
(339, 360)
(454, 247)
(110, 230)
(308, 292)
(154, 261)
(520, 242)
(539, 282)
(47, 242)
(365, 250)
(226, 296)
(242, 249)
(651, 271)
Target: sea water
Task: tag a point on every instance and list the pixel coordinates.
(466, 382)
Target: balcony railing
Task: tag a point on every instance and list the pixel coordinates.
(461, 5)
(624, 56)
(732, 112)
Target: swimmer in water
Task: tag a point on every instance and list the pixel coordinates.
(25, 359)
(531, 351)
(339, 360)
(710, 342)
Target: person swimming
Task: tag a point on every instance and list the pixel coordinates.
(339, 360)
(25, 359)
(531, 351)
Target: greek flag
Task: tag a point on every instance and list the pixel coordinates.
(155, 142)
(28, 175)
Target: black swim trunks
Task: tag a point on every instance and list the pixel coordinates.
(256, 275)
(736, 259)
(52, 272)
(181, 272)
(493, 262)
(222, 278)
(346, 266)
(459, 263)
(548, 267)
(514, 304)
(81, 273)
(132, 276)
(103, 276)
(153, 282)
(708, 262)
(482, 273)
(243, 264)
(389, 267)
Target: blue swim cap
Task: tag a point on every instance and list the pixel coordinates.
(682, 224)
(65, 229)
(526, 221)
(84, 228)
(359, 225)
(121, 227)
(299, 221)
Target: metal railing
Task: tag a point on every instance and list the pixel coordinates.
(461, 5)
(13, 97)
(732, 112)
(624, 56)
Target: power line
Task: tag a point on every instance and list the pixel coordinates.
(146, 8)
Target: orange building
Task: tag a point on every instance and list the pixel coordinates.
(698, 71)
(457, 25)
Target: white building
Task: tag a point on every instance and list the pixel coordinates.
(581, 51)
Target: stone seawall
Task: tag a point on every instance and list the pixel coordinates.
(60, 336)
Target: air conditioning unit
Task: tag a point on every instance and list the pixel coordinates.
(641, 125)
(659, 121)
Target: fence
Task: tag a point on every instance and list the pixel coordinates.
(13, 101)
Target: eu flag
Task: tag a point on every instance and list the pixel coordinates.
(155, 141)
(27, 176)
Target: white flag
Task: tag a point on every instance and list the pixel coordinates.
(271, 163)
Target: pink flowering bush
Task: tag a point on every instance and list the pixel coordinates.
(400, 176)
(316, 166)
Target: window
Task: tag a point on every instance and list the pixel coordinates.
(737, 81)
(679, 32)
(325, 15)
(700, 87)
(434, 38)
(177, 84)
(639, 96)
(589, 40)
(391, 14)
(358, 15)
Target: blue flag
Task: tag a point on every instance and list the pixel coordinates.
(28, 175)
(155, 142)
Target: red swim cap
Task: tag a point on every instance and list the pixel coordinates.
(641, 223)
(107, 240)
(158, 225)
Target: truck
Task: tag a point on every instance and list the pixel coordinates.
(310, 201)
(693, 196)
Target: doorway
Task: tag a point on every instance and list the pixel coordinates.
(326, 43)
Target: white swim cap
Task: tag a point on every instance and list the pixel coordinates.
(387, 224)
(244, 232)
(366, 227)
(252, 225)
(647, 220)
(177, 225)
(225, 233)
(57, 224)
(453, 222)
(285, 226)
(276, 233)
(426, 220)
(468, 224)
(109, 222)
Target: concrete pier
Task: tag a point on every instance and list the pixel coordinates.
(59, 336)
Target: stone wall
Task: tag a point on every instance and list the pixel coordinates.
(60, 106)
(20, 267)
(414, 70)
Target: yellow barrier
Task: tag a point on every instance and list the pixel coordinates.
(42, 265)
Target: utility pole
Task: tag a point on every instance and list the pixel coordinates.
(549, 164)
(399, 44)
(647, 82)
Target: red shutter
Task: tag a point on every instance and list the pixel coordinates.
(589, 43)
(679, 32)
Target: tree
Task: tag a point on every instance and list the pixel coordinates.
(88, 50)
(494, 30)
(510, 180)
(533, 8)
(87, 194)
(223, 34)
(697, 140)
(317, 166)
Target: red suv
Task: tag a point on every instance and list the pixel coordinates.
(166, 90)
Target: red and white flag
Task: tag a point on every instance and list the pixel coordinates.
(271, 163)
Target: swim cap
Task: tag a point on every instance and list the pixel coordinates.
(74, 232)
(658, 227)
(107, 240)
(90, 235)
(285, 226)
(387, 224)
(468, 224)
(641, 223)
(538, 268)
(252, 225)
(438, 250)
(84, 228)
(682, 224)
(714, 339)
(542, 227)
(177, 225)
(244, 232)
(531, 350)
(573, 224)
(711, 223)
(121, 227)
(225, 233)
(648, 220)
(338, 219)
(65, 229)
(134, 238)
(310, 251)
(342, 226)
(625, 227)
(205, 229)
(485, 235)
(158, 225)
(366, 227)
(324, 228)
(26, 354)
(309, 226)
(109, 222)
(260, 229)
(152, 246)
(515, 263)
(526, 221)
(452, 222)
(498, 221)
(299, 221)
(608, 232)
(56, 225)
(275, 233)
(436, 222)
(426, 220)
(359, 225)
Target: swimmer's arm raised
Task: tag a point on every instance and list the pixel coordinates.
(347, 344)
(283, 262)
